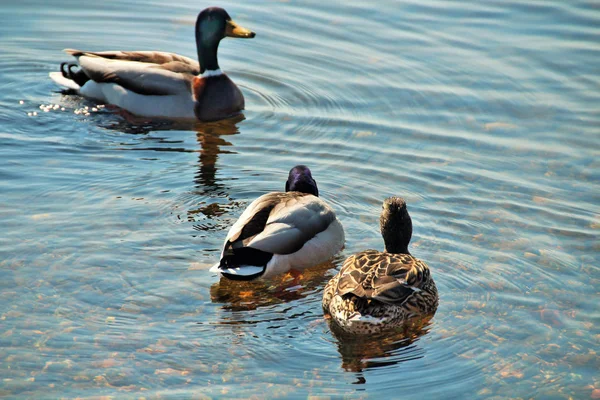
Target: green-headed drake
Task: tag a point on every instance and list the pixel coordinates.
(282, 231)
(160, 84)
(377, 290)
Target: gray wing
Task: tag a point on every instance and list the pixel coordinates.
(150, 57)
(144, 72)
(254, 218)
(281, 223)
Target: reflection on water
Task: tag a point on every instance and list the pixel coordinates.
(483, 115)
(211, 141)
(363, 352)
(239, 295)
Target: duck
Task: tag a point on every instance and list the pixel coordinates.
(162, 84)
(282, 232)
(375, 290)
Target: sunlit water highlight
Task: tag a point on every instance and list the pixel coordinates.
(484, 116)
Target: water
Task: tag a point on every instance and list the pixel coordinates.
(484, 116)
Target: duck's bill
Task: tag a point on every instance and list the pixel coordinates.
(236, 31)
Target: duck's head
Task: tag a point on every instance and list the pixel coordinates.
(300, 180)
(396, 225)
(212, 25)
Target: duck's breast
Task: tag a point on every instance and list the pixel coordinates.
(216, 97)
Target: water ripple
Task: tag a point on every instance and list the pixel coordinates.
(482, 115)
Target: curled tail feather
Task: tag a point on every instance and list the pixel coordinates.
(79, 77)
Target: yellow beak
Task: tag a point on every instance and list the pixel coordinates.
(234, 30)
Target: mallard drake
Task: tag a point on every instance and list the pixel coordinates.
(377, 290)
(160, 84)
(282, 231)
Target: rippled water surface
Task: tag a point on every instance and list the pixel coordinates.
(485, 116)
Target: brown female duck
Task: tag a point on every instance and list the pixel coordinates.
(377, 290)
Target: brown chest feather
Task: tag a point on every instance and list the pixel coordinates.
(216, 97)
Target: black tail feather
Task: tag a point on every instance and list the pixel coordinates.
(62, 70)
(233, 258)
(79, 77)
(244, 256)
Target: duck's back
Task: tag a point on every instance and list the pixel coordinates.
(280, 231)
(281, 222)
(376, 289)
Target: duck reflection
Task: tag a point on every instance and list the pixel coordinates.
(364, 352)
(245, 296)
(210, 136)
(209, 199)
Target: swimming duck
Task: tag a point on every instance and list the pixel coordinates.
(282, 231)
(161, 84)
(377, 290)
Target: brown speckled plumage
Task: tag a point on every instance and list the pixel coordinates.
(376, 290)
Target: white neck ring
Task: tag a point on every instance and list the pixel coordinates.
(211, 72)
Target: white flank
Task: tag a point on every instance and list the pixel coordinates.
(169, 106)
(317, 250)
(211, 72)
(94, 91)
(244, 270)
(62, 81)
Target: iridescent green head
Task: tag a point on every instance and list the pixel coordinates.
(212, 25)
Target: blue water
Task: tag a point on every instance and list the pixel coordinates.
(484, 116)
